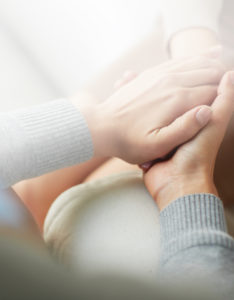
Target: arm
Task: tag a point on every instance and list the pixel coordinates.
(195, 243)
(191, 26)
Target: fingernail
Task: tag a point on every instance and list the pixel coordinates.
(204, 115)
(232, 77)
(146, 166)
(215, 51)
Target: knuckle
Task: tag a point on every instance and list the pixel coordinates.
(183, 126)
(218, 72)
(182, 94)
(203, 61)
(214, 74)
(169, 79)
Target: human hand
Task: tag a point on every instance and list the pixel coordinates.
(190, 169)
(156, 112)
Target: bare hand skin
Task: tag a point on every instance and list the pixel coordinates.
(193, 41)
(156, 112)
(191, 168)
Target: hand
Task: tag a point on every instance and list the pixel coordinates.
(190, 170)
(156, 112)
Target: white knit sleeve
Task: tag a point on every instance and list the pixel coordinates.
(41, 139)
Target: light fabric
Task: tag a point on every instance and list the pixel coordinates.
(41, 139)
(109, 225)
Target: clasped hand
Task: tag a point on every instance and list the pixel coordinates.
(161, 109)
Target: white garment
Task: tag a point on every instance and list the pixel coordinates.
(110, 224)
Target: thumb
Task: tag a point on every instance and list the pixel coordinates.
(226, 85)
(182, 129)
(222, 110)
(223, 106)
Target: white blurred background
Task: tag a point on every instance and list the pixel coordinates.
(49, 48)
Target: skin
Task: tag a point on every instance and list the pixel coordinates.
(191, 168)
(185, 43)
(192, 42)
(168, 94)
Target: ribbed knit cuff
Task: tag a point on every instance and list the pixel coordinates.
(43, 138)
(191, 221)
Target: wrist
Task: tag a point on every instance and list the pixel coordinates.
(100, 125)
(194, 184)
(92, 116)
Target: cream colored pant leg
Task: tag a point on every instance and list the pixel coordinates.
(108, 225)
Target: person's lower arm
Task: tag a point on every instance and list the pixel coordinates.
(191, 41)
(189, 184)
(195, 243)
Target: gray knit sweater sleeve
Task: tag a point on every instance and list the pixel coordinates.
(195, 242)
(41, 139)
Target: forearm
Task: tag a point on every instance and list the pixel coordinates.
(191, 26)
(192, 41)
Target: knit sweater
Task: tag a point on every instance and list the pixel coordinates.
(195, 244)
(40, 139)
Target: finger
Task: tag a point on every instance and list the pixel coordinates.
(118, 84)
(222, 109)
(223, 105)
(198, 77)
(214, 52)
(181, 130)
(198, 62)
(146, 166)
(189, 64)
(127, 77)
(187, 99)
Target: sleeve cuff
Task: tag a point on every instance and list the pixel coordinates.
(41, 139)
(193, 220)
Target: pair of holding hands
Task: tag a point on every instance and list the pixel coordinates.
(161, 109)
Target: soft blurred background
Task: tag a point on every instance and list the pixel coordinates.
(50, 48)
